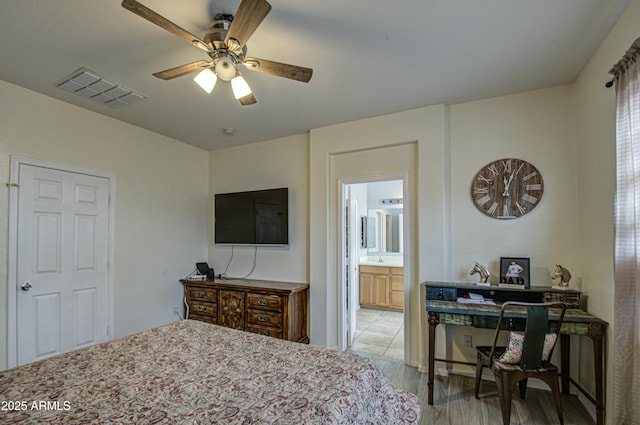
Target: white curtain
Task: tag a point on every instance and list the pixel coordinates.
(626, 350)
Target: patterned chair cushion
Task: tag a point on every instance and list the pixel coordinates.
(513, 353)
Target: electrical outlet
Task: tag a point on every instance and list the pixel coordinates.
(467, 340)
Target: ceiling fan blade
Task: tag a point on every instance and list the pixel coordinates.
(248, 17)
(179, 71)
(278, 69)
(247, 100)
(153, 17)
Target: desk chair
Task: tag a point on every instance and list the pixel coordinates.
(526, 356)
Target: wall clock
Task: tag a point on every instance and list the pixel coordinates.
(507, 188)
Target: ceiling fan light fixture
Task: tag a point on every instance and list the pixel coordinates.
(240, 87)
(225, 43)
(225, 69)
(206, 79)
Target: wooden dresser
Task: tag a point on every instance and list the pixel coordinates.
(277, 309)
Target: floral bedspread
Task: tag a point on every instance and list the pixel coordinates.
(191, 372)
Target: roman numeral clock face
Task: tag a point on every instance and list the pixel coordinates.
(507, 188)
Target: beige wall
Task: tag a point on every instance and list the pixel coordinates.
(538, 127)
(266, 165)
(595, 108)
(164, 195)
(453, 144)
(397, 161)
(365, 142)
(161, 192)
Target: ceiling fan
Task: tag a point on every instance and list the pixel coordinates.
(225, 43)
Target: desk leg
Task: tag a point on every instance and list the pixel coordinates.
(434, 320)
(565, 361)
(595, 333)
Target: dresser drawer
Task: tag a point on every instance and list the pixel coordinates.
(202, 318)
(264, 318)
(570, 299)
(264, 302)
(203, 309)
(263, 330)
(202, 294)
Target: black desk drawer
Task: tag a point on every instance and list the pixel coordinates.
(512, 324)
(441, 294)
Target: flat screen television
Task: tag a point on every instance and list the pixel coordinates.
(259, 217)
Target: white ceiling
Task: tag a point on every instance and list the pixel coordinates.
(370, 57)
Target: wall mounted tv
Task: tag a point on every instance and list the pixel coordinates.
(259, 217)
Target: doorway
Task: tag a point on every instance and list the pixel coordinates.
(60, 235)
(373, 282)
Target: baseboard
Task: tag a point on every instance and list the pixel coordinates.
(438, 371)
(588, 405)
(414, 364)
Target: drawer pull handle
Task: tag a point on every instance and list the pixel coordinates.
(262, 302)
(202, 294)
(202, 308)
(263, 333)
(263, 318)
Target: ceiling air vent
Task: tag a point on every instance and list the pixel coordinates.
(90, 85)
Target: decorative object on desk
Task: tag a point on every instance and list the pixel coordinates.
(484, 273)
(507, 188)
(564, 275)
(514, 272)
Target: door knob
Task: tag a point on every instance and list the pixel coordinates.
(25, 286)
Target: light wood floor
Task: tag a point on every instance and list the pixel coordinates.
(454, 402)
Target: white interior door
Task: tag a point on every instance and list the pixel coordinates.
(352, 263)
(62, 261)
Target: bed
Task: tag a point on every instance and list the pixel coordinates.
(191, 372)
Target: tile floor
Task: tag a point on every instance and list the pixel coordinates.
(379, 332)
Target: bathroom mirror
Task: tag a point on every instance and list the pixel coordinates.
(369, 235)
(388, 225)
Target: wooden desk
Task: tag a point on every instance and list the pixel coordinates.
(576, 322)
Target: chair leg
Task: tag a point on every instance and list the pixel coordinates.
(479, 366)
(523, 388)
(551, 378)
(505, 385)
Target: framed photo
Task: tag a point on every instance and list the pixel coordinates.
(515, 271)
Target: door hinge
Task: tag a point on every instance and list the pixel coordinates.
(10, 185)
